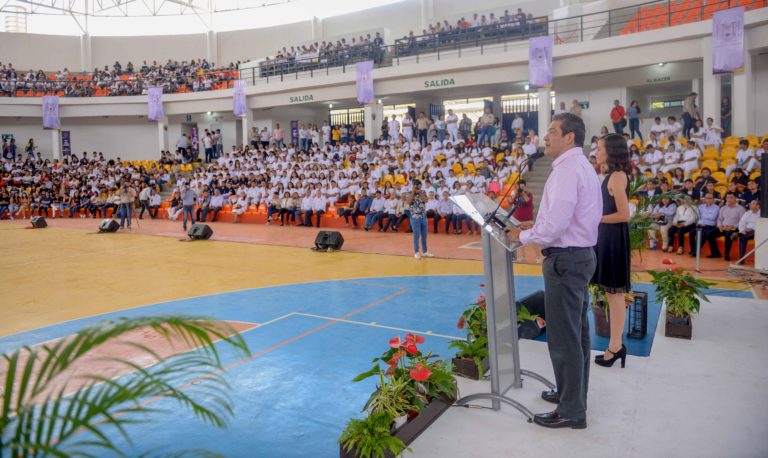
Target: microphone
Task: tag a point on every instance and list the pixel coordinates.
(492, 215)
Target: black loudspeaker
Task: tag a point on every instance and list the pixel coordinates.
(200, 232)
(38, 222)
(329, 240)
(534, 302)
(763, 186)
(109, 225)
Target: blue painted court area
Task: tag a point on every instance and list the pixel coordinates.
(294, 396)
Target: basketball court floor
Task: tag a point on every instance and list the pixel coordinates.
(315, 320)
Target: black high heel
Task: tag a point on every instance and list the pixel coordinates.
(621, 354)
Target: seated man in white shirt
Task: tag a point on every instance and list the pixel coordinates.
(691, 155)
(747, 227)
(745, 159)
(674, 129)
(659, 129)
(651, 160)
(713, 134)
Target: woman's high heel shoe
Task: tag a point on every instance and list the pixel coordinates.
(621, 354)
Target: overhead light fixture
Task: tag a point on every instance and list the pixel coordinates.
(527, 87)
(330, 105)
(661, 64)
(209, 113)
(379, 101)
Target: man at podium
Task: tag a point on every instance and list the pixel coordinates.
(566, 231)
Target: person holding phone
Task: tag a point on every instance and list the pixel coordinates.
(416, 202)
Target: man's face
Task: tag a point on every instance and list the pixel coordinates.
(710, 199)
(554, 141)
(731, 199)
(754, 206)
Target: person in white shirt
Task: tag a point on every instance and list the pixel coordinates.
(217, 202)
(305, 209)
(452, 126)
(747, 227)
(319, 204)
(651, 160)
(671, 160)
(659, 129)
(408, 127)
(691, 155)
(144, 200)
(154, 203)
(713, 134)
(326, 131)
(394, 128)
(561, 109)
(517, 123)
(684, 221)
(673, 127)
(375, 212)
(389, 212)
(745, 159)
(444, 211)
(303, 137)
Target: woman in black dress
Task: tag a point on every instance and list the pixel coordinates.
(613, 249)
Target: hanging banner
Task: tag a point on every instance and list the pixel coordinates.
(238, 98)
(540, 62)
(155, 103)
(294, 132)
(51, 112)
(728, 40)
(66, 142)
(364, 81)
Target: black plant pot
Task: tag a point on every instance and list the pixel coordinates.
(415, 426)
(602, 325)
(678, 327)
(466, 367)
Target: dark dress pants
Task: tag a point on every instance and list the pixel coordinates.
(566, 276)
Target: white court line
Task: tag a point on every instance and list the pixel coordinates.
(374, 325)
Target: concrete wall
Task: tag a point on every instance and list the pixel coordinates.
(106, 50)
(760, 69)
(50, 52)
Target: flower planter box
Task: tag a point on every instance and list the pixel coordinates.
(681, 328)
(466, 367)
(414, 427)
(602, 325)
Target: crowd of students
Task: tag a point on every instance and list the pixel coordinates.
(174, 76)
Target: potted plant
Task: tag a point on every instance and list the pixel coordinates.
(529, 325)
(600, 310)
(682, 294)
(471, 361)
(413, 391)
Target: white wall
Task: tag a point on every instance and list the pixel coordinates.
(106, 50)
(126, 137)
(256, 44)
(47, 52)
(760, 69)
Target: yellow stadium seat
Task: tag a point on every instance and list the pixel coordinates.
(682, 140)
(440, 157)
(711, 164)
(457, 168)
(765, 137)
(726, 162)
(695, 175)
(720, 177)
(637, 143)
(499, 157)
(709, 153)
(754, 175)
(721, 189)
(731, 140)
(728, 153)
(668, 177)
(400, 179)
(663, 142)
(753, 140)
(471, 167)
(513, 177)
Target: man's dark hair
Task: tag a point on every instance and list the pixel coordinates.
(570, 123)
(687, 180)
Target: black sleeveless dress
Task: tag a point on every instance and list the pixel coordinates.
(613, 249)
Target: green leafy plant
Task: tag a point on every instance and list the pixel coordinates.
(523, 314)
(371, 437)
(40, 416)
(392, 397)
(680, 290)
(476, 350)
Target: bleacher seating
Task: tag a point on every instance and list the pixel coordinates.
(666, 14)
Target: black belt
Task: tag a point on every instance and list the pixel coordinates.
(570, 249)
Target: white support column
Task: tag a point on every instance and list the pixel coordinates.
(86, 57)
(743, 101)
(545, 111)
(162, 137)
(317, 29)
(56, 142)
(374, 113)
(212, 47)
(247, 123)
(710, 95)
(426, 13)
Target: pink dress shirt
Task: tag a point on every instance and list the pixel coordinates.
(571, 206)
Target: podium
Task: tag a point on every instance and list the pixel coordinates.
(499, 255)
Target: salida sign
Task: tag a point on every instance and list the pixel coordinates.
(439, 83)
(301, 98)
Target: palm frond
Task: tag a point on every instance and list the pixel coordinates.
(40, 416)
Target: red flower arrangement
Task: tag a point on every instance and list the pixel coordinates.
(420, 373)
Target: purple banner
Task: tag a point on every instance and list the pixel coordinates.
(294, 132)
(728, 40)
(364, 82)
(51, 112)
(66, 142)
(540, 62)
(155, 103)
(238, 98)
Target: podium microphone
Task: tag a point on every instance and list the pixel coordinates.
(492, 215)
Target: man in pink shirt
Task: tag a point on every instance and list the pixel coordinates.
(278, 135)
(566, 230)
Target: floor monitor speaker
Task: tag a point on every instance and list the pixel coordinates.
(109, 225)
(38, 222)
(329, 240)
(200, 232)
